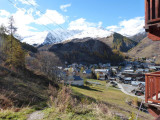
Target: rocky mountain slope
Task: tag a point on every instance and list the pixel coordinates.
(89, 50)
(146, 49)
(120, 42)
(138, 37)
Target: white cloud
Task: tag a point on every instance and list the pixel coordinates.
(4, 13)
(23, 18)
(88, 29)
(100, 24)
(129, 27)
(64, 7)
(50, 17)
(28, 2)
(38, 13)
(3, 21)
(113, 28)
(81, 24)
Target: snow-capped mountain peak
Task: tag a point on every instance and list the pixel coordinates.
(60, 35)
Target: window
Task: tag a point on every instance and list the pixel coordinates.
(153, 9)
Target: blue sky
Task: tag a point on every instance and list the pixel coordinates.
(110, 12)
(123, 16)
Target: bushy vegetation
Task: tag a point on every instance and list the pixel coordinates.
(65, 105)
(117, 57)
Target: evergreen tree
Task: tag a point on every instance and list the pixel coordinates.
(12, 48)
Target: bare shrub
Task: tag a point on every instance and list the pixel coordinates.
(53, 92)
(62, 100)
(5, 102)
(135, 102)
(103, 108)
(48, 64)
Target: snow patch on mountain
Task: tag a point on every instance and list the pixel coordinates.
(60, 35)
(93, 33)
(35, 38)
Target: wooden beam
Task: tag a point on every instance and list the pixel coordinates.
(151, 9)
(154, 101)
(151, 85)
(146, 12)
(146, 89)
(156, 8)
(157, 87)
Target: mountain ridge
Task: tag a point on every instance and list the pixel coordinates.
(146, 49)
(60, 35)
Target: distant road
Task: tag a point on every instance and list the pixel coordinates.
(125, 88)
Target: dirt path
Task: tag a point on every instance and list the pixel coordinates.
(38, 115)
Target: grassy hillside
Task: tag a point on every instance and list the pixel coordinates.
(23, 87)
(91, 102)
(146, 49)
(94, 102)
(115, 99)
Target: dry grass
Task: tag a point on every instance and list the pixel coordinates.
(146, 49)
(5, 102)
(67, 106)
(115, 99)
(27, 87)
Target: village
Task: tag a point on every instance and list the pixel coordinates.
(128, 76)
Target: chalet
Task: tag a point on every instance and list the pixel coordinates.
(102, 73)
(140, 70)
(75, 80)
(114, 69)
(66, 69)
(108, 65)
(88, 71)
(136, 83)
(112, 79)
(59, 67)
(157, 67)
(146, 70)
(152, 67)
(128, 71)
(74, 65)
(105, 71)
(127, 80)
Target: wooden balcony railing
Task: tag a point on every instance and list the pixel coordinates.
(152, 87)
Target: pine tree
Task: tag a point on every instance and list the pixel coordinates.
(12, 48)
(18, 56)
